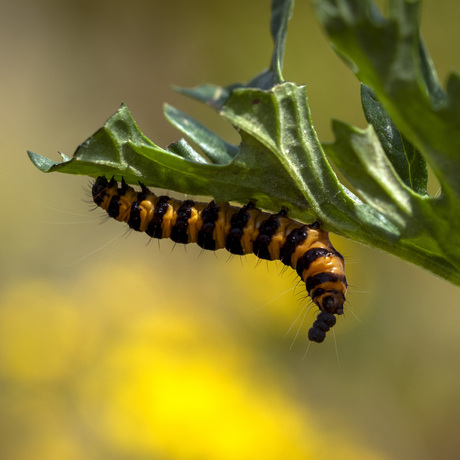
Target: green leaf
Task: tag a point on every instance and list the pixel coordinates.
(186, 151)
(107, 152)
(429, 75)
(214, 147)
(281, 14)
(424, 224)
(388, 55)
(405, 158)
(278, 142)
(360, 157)
(280, 120)
(212, 95)
(119, 149)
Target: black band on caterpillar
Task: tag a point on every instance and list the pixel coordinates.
(246, 230)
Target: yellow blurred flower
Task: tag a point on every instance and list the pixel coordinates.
(149, 372)
(40, 334)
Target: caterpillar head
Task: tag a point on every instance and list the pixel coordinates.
(103, 190)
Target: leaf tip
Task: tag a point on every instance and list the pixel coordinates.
(45, 164)
(40, 162)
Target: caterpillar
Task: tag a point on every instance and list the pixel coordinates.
(240, 230)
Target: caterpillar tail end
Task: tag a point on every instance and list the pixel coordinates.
(324, 321)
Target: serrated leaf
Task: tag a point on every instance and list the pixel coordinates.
(119, 149)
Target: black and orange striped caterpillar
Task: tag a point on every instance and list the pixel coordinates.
(246, 230)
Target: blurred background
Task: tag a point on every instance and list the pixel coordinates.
(114, 348)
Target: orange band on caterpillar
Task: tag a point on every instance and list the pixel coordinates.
(240, 230)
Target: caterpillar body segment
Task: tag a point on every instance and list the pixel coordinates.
(239, 230)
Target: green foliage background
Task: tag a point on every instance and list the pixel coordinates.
(90, 343)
